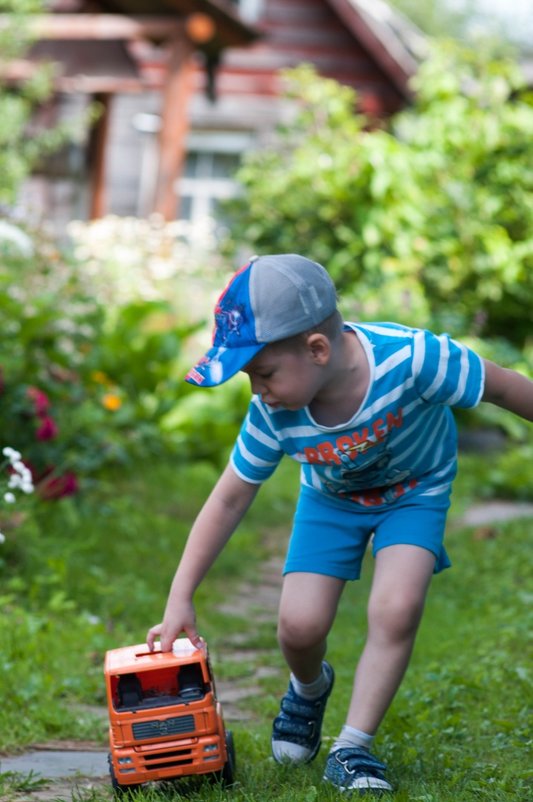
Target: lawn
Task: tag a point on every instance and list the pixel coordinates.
(93, 574)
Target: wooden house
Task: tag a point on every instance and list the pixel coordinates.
(186, 87)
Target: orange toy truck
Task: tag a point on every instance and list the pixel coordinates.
(164, 716)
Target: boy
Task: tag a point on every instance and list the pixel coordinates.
(365, 410)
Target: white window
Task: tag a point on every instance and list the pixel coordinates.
(250, 10)
(212, 160)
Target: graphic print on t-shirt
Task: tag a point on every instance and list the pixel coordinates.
(402, 437)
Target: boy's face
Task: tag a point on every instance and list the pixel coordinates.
(288, 378)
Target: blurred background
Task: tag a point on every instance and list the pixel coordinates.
(146, 150)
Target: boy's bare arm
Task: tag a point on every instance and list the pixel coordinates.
(508, 389)
(216, 522)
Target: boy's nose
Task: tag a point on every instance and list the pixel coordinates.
(257, 386)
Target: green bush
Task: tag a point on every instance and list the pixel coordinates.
(427, 220)
(83, 384)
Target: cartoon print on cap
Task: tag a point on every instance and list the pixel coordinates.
(229, 322)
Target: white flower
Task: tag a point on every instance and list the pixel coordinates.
(11, 454)
(2, 538)
(20, 478)
(24, 474)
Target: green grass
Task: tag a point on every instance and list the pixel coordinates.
(86, 578)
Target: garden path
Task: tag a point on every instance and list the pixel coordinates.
(71, 769)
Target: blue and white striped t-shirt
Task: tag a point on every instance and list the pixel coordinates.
(402, 437)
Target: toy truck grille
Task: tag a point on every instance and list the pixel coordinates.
(166, 760)
(158, 728)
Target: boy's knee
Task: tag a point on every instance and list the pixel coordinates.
(299, 631)
(395, 617)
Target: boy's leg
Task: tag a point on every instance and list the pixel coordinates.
(401, 578)
(307, 610)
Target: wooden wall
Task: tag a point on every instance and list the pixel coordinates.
(296, 31)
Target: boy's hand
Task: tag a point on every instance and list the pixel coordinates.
(217, 520)
(182, 620)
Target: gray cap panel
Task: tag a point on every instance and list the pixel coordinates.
(289, 294)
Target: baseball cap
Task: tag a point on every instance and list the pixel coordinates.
(270, 298)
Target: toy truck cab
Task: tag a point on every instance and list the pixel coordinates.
(165, 721)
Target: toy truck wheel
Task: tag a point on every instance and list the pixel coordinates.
(228, 772)
(119, 790)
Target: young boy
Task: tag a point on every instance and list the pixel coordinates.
(365, 410)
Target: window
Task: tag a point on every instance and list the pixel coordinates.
(213, 158)
(250, 10)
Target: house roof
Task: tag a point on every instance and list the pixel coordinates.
(87, 39)
(232, 30)
(395, 43)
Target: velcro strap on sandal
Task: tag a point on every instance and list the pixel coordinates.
(307, 711)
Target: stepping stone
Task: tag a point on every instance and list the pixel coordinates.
(48, 764)
(492, 512)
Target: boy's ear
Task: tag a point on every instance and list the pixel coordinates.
(319, 347)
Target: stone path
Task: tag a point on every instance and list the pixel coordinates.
(65, 761)
(80, 767)
(492, 512)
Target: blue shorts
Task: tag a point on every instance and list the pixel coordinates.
(330, 536)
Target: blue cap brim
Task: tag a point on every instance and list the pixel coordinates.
(220, 364)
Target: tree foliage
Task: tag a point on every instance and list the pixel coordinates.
(17, 151)
(428, 220)
(439, 18)
(469, 20)
(21, 148)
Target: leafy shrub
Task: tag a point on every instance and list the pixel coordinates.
(44, 346)
(134, 265)
(426, 221)
(203, 424)
(83, 384)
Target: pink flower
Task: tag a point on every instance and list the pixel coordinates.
(48, 428)
(40, 401)
(58, 486)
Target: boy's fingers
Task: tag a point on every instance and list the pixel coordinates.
(151, 635)
(194, 638)
(167, 640)
(166, 643)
